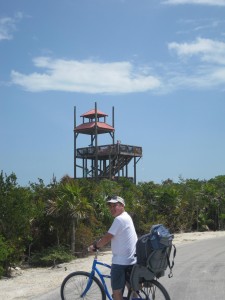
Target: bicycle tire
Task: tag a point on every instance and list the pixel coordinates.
(150, 290)
(75, 283)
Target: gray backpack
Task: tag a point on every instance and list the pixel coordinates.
(153, 250)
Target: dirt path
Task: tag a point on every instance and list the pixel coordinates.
(36, 281)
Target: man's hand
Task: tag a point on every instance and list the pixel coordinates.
(93, 247)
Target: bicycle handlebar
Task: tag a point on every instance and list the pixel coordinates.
(96, 251)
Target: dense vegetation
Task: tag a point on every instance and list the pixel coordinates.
(45, 224)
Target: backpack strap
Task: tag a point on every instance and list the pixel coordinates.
(171, 264)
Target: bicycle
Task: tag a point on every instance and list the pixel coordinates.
(85, 285)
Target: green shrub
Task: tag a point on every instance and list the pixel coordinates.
(84, 238)
(51, 257)
(5, 252)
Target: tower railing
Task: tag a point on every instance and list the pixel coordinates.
(107, 150)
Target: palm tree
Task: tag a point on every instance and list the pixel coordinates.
(69, 205)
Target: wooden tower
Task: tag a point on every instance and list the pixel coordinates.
(102, 161)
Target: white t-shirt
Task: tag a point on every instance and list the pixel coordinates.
(124, 240)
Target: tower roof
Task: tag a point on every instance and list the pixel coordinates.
(89, 128)
(91, 114)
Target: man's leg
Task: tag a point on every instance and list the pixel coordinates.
(117, 295)
(118, 281)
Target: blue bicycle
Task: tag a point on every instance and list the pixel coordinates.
(85, 285)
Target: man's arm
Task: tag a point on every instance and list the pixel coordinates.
(102, 242)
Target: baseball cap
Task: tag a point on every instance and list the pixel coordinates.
(115, 199)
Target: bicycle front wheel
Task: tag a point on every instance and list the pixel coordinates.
(80, 285)
(150, 290)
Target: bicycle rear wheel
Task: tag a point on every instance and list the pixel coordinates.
(79, 285)
(150, 290)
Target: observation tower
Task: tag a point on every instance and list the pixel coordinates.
(102, 161)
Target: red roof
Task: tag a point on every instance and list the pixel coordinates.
(91, 114)
(89, 128)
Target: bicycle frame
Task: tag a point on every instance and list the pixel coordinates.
(101, 276)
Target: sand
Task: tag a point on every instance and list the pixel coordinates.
(32, 282)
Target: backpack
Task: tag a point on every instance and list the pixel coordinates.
(154, 248)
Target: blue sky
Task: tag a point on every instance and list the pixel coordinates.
(159, 63)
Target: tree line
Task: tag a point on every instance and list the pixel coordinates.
(45, 224)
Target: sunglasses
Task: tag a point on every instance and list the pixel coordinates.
(111, 198)
(113, 204)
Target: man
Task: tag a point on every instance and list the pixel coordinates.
(123, 239)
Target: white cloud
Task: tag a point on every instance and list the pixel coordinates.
(200, 78)
(202, 64)
(200, 2)
(209, 50)
(8, 26)
(86, 77)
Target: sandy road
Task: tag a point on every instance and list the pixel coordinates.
(34, 282)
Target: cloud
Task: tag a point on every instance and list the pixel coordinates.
(200, 2)
(86, 77)
(203, 78)
(198, 64)
(203, 61)
(209, 50)
(8, 26)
